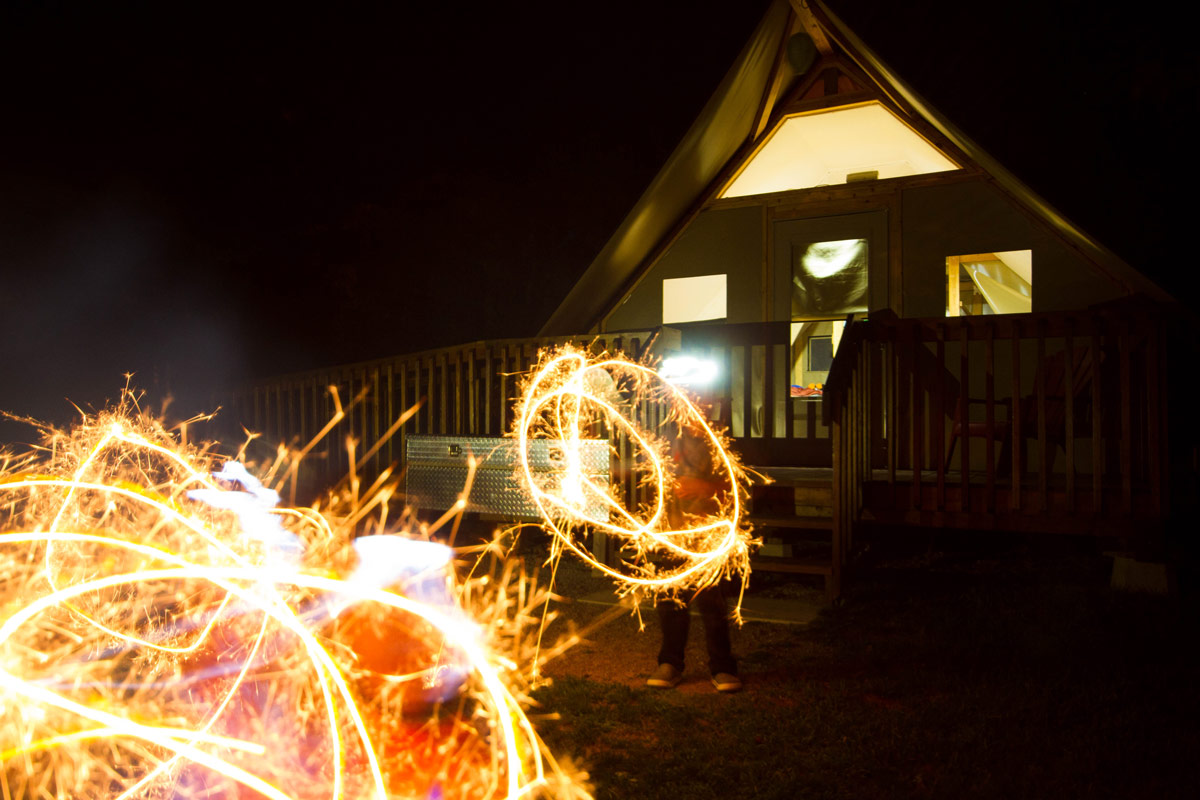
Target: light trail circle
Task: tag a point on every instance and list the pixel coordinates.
(568, 397)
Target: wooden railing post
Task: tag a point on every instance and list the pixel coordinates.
(1123, 339)
(964, 391)
(1043, 444)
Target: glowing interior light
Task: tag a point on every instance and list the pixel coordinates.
(688, 371)
(694, 299)
(824, 259)
(657, 557)
(825, 148)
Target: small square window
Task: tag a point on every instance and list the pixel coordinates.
(820, 353)
(693, 299)
(989, 283)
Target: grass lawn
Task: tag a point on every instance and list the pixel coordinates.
(1012, 676)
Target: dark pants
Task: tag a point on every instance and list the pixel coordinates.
(675, 620)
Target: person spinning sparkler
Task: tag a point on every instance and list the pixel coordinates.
(699, 492)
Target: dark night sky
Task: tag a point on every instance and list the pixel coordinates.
(201, 195)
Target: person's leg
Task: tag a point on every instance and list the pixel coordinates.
(711, 603)
(673, 618)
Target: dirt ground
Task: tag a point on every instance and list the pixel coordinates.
(969, 672)
(621, 645)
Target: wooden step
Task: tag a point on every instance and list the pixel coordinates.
(800, 566)
(799, 523)
(797, 477)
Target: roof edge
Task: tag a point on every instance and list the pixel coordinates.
(1116, 268)
(699, 157)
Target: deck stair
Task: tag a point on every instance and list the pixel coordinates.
(791, 509)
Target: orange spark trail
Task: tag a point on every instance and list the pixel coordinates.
(166, 631)
(571, 396)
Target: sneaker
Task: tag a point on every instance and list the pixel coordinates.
(665, 677)
(725, 682)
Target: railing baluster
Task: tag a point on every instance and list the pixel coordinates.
(443, 395)
(893, 425)
(940, 416)
(748, 410)
(1014, 497)
(489, 386)
(505, 381)
(989, 395)
(964, 369)
(1126, 422)
(377, 411)
(1098, 443)
(404, 405)
(767, 391)
(1155, 416)
(390, 393)
(1043, 445)
(461, 394)
(918, 417)
(1069, 413)
(425, 370)
(291, 412)
(277, 416)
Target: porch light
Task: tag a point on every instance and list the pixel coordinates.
(688, 370)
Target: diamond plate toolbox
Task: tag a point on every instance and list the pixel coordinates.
(437, 472)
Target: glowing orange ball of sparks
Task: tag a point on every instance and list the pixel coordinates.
(167, 631)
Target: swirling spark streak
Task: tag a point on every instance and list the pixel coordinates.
(166, 631)
(570, 396)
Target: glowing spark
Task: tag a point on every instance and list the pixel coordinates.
(664, 551)
(166, 631)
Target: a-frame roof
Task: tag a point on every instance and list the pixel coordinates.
(741, 111)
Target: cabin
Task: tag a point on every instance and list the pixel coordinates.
(903, 333)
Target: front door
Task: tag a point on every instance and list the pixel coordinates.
(824, 270)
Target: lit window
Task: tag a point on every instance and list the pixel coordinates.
(989, 283)
(837, 146)
(693, 299)
(829, 279)
(814, 344)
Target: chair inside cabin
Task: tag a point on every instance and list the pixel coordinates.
(1052, 375)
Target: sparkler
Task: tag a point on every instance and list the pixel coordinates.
(570, 396)
(166, 630)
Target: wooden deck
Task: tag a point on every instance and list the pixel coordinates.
(1052, 423)
(942, 501)
(1032, 422)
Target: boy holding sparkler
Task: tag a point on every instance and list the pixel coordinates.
(699, 492)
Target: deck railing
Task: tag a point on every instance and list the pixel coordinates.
(472, 390)
(468, 390)
(1052, 420)
(752, 393)
(1033, 421)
